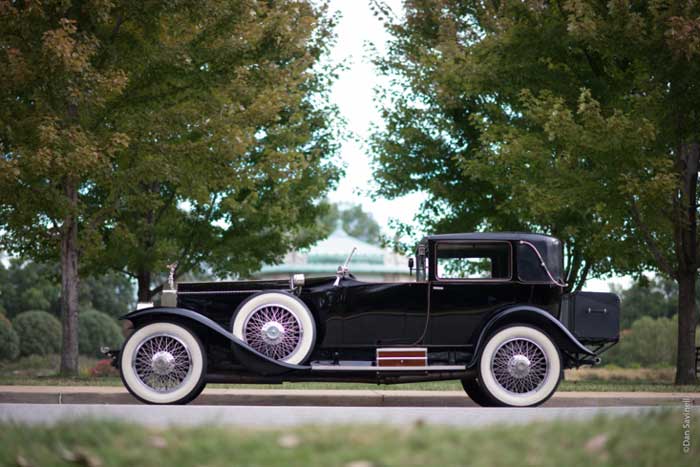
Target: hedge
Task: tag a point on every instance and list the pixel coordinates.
(9, 340)
(648, 343)
(39, 333)
(96, 330)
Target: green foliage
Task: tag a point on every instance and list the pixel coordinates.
(97, 329)
(649, 342)
(621, 441)
(655, 298)
(55, 83)
(356, 222)
(29, 285)
(111, 293)
(39, 333)
(135, 135)
(9, 340)
(577, 118)
(545, 117)
(232, 139)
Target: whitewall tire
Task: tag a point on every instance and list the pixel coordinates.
(277, 325)
(163, 363)
(520, 366)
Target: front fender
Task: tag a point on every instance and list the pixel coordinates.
(537, 317)
(265, 364)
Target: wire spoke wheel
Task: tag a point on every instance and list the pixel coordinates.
(162, 362)
(519, 366)
(273, 330)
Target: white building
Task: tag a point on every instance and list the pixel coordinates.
(370, 262)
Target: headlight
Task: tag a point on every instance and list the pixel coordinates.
(298, 280)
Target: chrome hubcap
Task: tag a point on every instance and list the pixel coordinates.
(162, 362)
(520, 366)
(273, 330)
(272, 333)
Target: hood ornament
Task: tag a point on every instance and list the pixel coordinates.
(171, 276)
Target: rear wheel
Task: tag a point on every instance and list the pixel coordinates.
(163, 363)
(520, 366)
(476, 392)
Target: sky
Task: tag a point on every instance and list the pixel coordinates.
(353, 93)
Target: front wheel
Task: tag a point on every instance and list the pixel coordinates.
(278, 325)
(520, 366)
(163, 363)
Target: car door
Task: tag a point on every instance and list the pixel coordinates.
(383, 313)
(468, 281)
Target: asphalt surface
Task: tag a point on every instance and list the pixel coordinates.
(282, 416)
(330, 398)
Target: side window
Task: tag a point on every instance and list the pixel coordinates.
(473, 261)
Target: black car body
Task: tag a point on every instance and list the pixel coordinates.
(468, 288)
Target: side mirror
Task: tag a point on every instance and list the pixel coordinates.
(411, 263)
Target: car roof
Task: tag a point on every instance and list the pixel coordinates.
(507, 236)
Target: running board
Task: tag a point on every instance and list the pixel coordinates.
(370, 368)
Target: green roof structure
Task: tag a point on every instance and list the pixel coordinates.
(369, 262)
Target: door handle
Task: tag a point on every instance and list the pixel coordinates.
(438, 287)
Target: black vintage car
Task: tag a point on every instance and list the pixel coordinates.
(488, 309)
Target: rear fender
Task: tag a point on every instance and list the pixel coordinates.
(263, 363)
(535, 317)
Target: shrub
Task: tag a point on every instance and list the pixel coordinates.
(9, 340)
(96, 330)
(648, 343)
(39, 333)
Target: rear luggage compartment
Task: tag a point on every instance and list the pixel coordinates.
(593, 317)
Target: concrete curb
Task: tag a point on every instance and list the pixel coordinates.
(330, 398)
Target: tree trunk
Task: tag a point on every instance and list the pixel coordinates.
(685, 366)
(143, 278)
(685, 233)
(69, 284)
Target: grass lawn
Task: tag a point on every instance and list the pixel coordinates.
(36, 370)
(650, 441)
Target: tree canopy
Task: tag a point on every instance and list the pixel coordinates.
(231, 140)
(576, 118)
(355, 221)
(137, 134)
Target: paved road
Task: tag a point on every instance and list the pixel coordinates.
(339, 398)
(278, 416)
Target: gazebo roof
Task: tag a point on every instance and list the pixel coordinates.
(326, 255)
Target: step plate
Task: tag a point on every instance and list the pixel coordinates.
(367, 368)
(402, 357)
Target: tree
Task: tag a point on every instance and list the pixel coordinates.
(52, 85)
(139, 133)
(444, 84)
(356, 222)
(575, 116)
(655, 298)
(231, 141)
